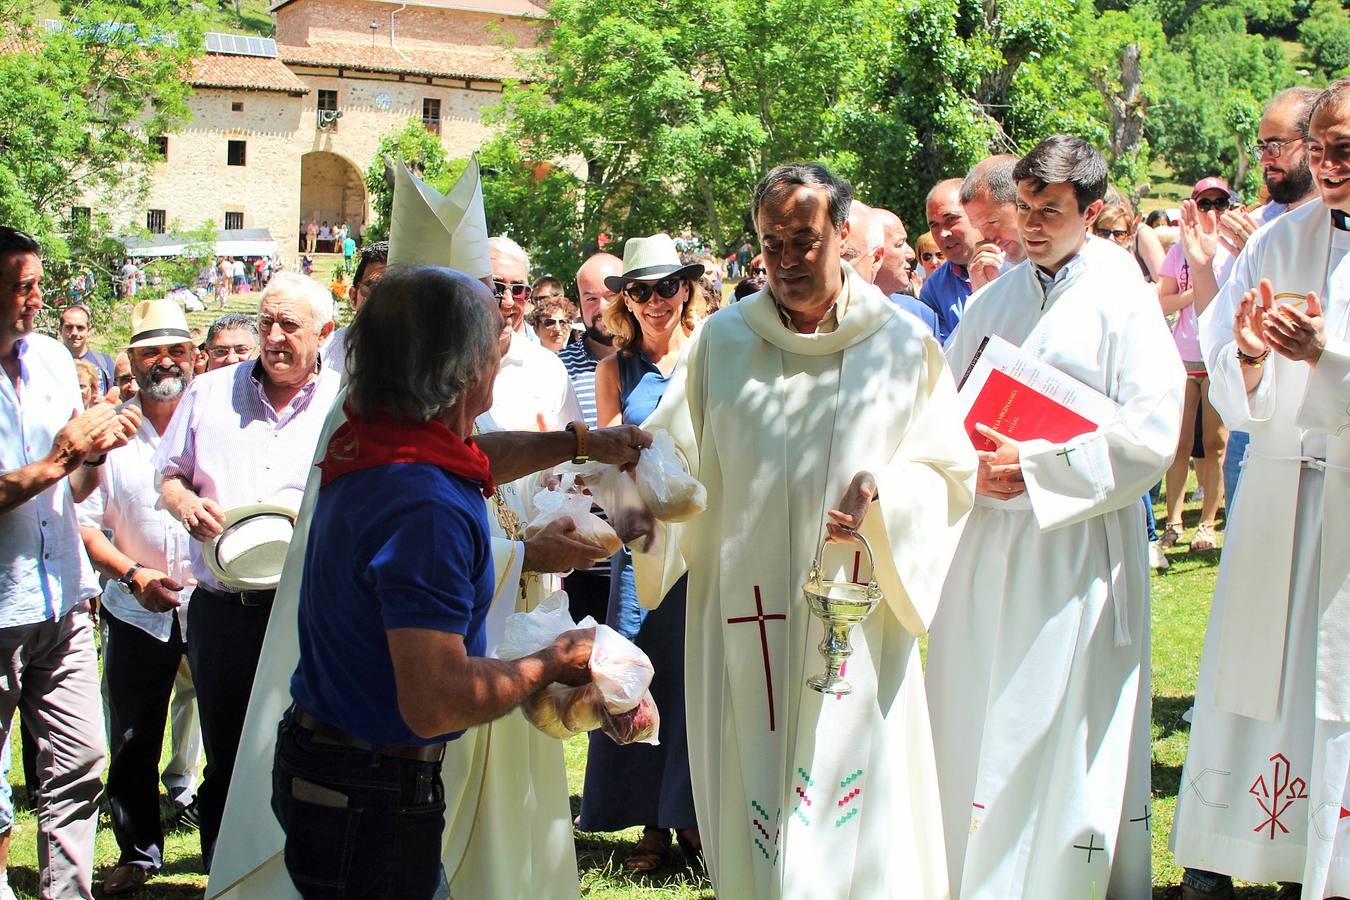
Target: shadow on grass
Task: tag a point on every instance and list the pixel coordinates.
(1240, 892)
(1167, 713)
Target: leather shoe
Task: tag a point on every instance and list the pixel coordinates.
(126, 878)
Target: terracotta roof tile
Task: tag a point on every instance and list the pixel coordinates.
(249, 73)
(460, 62)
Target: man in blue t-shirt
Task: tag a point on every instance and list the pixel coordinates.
(946, 290)
(76, 329)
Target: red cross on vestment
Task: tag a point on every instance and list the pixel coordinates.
(761, 618)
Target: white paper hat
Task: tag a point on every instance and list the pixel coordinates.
(250, 551)
(427, 227)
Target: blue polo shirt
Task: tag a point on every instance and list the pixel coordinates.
(397, 546)
(945, 293)
(912, 306)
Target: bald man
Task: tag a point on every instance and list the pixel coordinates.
(946, 290)
(989, 198)
(864, 242)
(895, 275)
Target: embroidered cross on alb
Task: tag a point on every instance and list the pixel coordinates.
(761, 617)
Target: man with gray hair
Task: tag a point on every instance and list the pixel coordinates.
(989, 197)
(533, 391)
(231, 338)
(241, 436)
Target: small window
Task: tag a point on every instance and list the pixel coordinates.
(235, 153)
(237, 106)
(154, 221)
(328, 100)
(79, 218)
(160, 145)
(234, 221)
(431, 114)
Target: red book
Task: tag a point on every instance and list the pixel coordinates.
(1025, 399)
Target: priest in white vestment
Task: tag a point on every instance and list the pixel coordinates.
(1038, 665)
(508, 830)
(814, 395)
(1265, 792)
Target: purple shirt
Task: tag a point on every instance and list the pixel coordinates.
(229, 443)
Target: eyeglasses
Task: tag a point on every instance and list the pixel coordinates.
(223, 352)
(1112, 233)
(641, 291)
(1274, 148)
(554, 323)
(519, 289)
(1218, 204)
(931, 256)
(757, 270)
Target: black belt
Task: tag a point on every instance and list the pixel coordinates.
(243, 598)
(325, 733)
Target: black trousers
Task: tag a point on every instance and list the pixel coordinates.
(587, 594)
(140, 671)
(225, 640)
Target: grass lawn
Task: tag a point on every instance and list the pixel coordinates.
(1181, 600)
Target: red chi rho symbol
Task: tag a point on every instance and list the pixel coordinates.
(1276, 798)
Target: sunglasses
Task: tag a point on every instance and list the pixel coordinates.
(1218, 204)
(641, 291)
(757, 270)
(519, 289)
(1114, 233)
(929, 257)
(554, 323)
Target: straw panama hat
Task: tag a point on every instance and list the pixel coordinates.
(250, 551)
(157, 323)
(651, 259)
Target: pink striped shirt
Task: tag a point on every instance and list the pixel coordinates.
(231, 446)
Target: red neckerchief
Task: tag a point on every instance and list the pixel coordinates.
(382, 440)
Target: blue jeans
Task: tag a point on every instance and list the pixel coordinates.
(357, 824)
(1150, 523)
(625, 614)
(1232, 466)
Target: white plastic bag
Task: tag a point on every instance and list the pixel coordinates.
(570, 500)
(616, 700)
(614, 491)
(667, 489)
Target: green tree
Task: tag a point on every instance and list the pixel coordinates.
(1326, 33)
(423, 154)
(79, 102)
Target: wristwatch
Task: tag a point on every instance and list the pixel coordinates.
(579, 429)
(126, 581)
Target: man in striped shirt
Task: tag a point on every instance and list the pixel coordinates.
(588, 591)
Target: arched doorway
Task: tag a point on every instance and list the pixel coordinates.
(332, 191)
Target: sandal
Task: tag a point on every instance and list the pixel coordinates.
(1205, 538)
(1171, 535)
(690, 844)
(651, 851)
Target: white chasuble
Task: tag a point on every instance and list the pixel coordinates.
(1038, 664)
(508, 830)
(1264, 789)
(799, 794)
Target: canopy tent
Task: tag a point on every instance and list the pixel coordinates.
(231, 242)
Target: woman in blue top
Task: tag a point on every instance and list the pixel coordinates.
(397, 580)
(651, 320)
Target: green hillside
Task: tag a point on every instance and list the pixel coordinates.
(220, 16)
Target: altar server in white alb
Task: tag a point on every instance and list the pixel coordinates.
(815, 400)
(1265, 793)
(1038, 665)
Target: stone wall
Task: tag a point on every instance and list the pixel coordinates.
(414, 27)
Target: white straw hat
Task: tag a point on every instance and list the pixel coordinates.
(651, 259)
(249, 553)
(158, 323)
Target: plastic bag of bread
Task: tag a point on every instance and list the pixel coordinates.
(640, 725)
(663, 483)
(569, 500)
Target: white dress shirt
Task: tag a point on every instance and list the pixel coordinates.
(531, 382)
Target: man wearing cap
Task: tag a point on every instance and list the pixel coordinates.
(241, 438)
(813, 408)
(533, 391)
(49, 458)
(1265, 787)
(144, 601)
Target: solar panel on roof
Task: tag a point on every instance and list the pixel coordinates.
(240, 45)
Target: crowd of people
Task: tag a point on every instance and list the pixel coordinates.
(392, 464)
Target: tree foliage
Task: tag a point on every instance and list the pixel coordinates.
(78, 104)
(1326, 33)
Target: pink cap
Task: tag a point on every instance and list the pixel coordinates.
(1213, 182)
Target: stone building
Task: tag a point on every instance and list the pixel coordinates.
(283, 129)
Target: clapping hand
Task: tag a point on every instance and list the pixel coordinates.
(1199, 234)
(1249, 320)
(1294, 333)
(1236, 226)
(92, 433)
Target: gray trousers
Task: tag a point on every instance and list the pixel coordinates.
(49, 672)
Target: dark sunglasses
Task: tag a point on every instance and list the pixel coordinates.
(1218, 204)
(757, 270)
(1116, 233)
(929, 257)
(554, 323)
(641, 291)
(519, 289)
